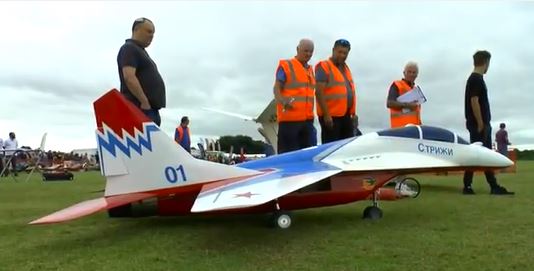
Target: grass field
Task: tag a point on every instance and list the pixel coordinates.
(440, 230)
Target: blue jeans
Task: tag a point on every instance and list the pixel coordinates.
(153, 114)
(294, 135)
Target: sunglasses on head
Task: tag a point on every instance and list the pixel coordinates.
(342, 42)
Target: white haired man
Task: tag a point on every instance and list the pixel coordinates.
(402, 113)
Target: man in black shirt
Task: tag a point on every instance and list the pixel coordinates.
(141, 82)
(478, 117)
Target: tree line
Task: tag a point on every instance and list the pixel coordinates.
(525, 155)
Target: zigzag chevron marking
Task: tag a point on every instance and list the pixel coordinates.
(128, 143)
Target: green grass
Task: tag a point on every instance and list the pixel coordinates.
(440, 230)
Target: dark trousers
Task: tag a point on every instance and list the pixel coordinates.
(294, 135)
(153, 114)
(485, 138)
(343, 128)
(11, 160)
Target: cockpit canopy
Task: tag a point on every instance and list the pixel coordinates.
(424, 132)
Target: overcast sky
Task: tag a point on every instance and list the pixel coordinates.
(58, 57)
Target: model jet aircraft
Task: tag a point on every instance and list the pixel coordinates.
(140, 162)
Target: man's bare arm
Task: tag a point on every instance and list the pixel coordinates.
(394, 104)
(475, 105)
(319, 92)
(134, 86)
(277, 92)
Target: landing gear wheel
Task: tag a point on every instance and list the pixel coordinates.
(281, 220)
(372, 213)
(409, 187)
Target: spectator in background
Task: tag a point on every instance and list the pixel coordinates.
(1, 155)
(501, 137)
(182, 135)
(11, 145)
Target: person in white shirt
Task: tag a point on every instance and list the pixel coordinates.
(10, 145)
(1, 155)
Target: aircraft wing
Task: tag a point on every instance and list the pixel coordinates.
(241, 116)
(269, 113)
(261, 189)
(91, 206)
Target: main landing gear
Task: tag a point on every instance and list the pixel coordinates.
(373, 212)
(408, 187)
(280, 219)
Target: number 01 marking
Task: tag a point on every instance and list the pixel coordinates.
(171, 174)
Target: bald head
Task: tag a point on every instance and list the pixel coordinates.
(303, 43)
(411, 70)
(304, 50)
(143, 31)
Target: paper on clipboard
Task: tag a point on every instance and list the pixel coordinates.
(415, 94)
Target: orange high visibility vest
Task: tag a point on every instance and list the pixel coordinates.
(335, 92)
(298, 88)
(399, 118)
(180, 131)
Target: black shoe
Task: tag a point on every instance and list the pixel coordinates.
(499, 190)
(468, 191)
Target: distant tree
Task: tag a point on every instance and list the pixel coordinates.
(238, 141)
(525, 155)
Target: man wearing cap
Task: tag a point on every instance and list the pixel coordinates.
(294, 95)
(336, 96)
(141, 82)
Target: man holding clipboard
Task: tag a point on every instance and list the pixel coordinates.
(405, 98)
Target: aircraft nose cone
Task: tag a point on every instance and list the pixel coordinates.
(496, 159)
(491, 158)
(506, 161)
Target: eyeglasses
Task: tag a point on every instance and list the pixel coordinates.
(139, 21)
(342, 42)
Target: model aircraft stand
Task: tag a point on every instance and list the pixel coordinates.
(39, 156)
(7, 163)
(12, 172)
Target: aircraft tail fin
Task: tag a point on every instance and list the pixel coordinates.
(136, 156)
(43, 142)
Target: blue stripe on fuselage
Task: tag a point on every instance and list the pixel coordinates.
(304, 158)
(289, 164)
